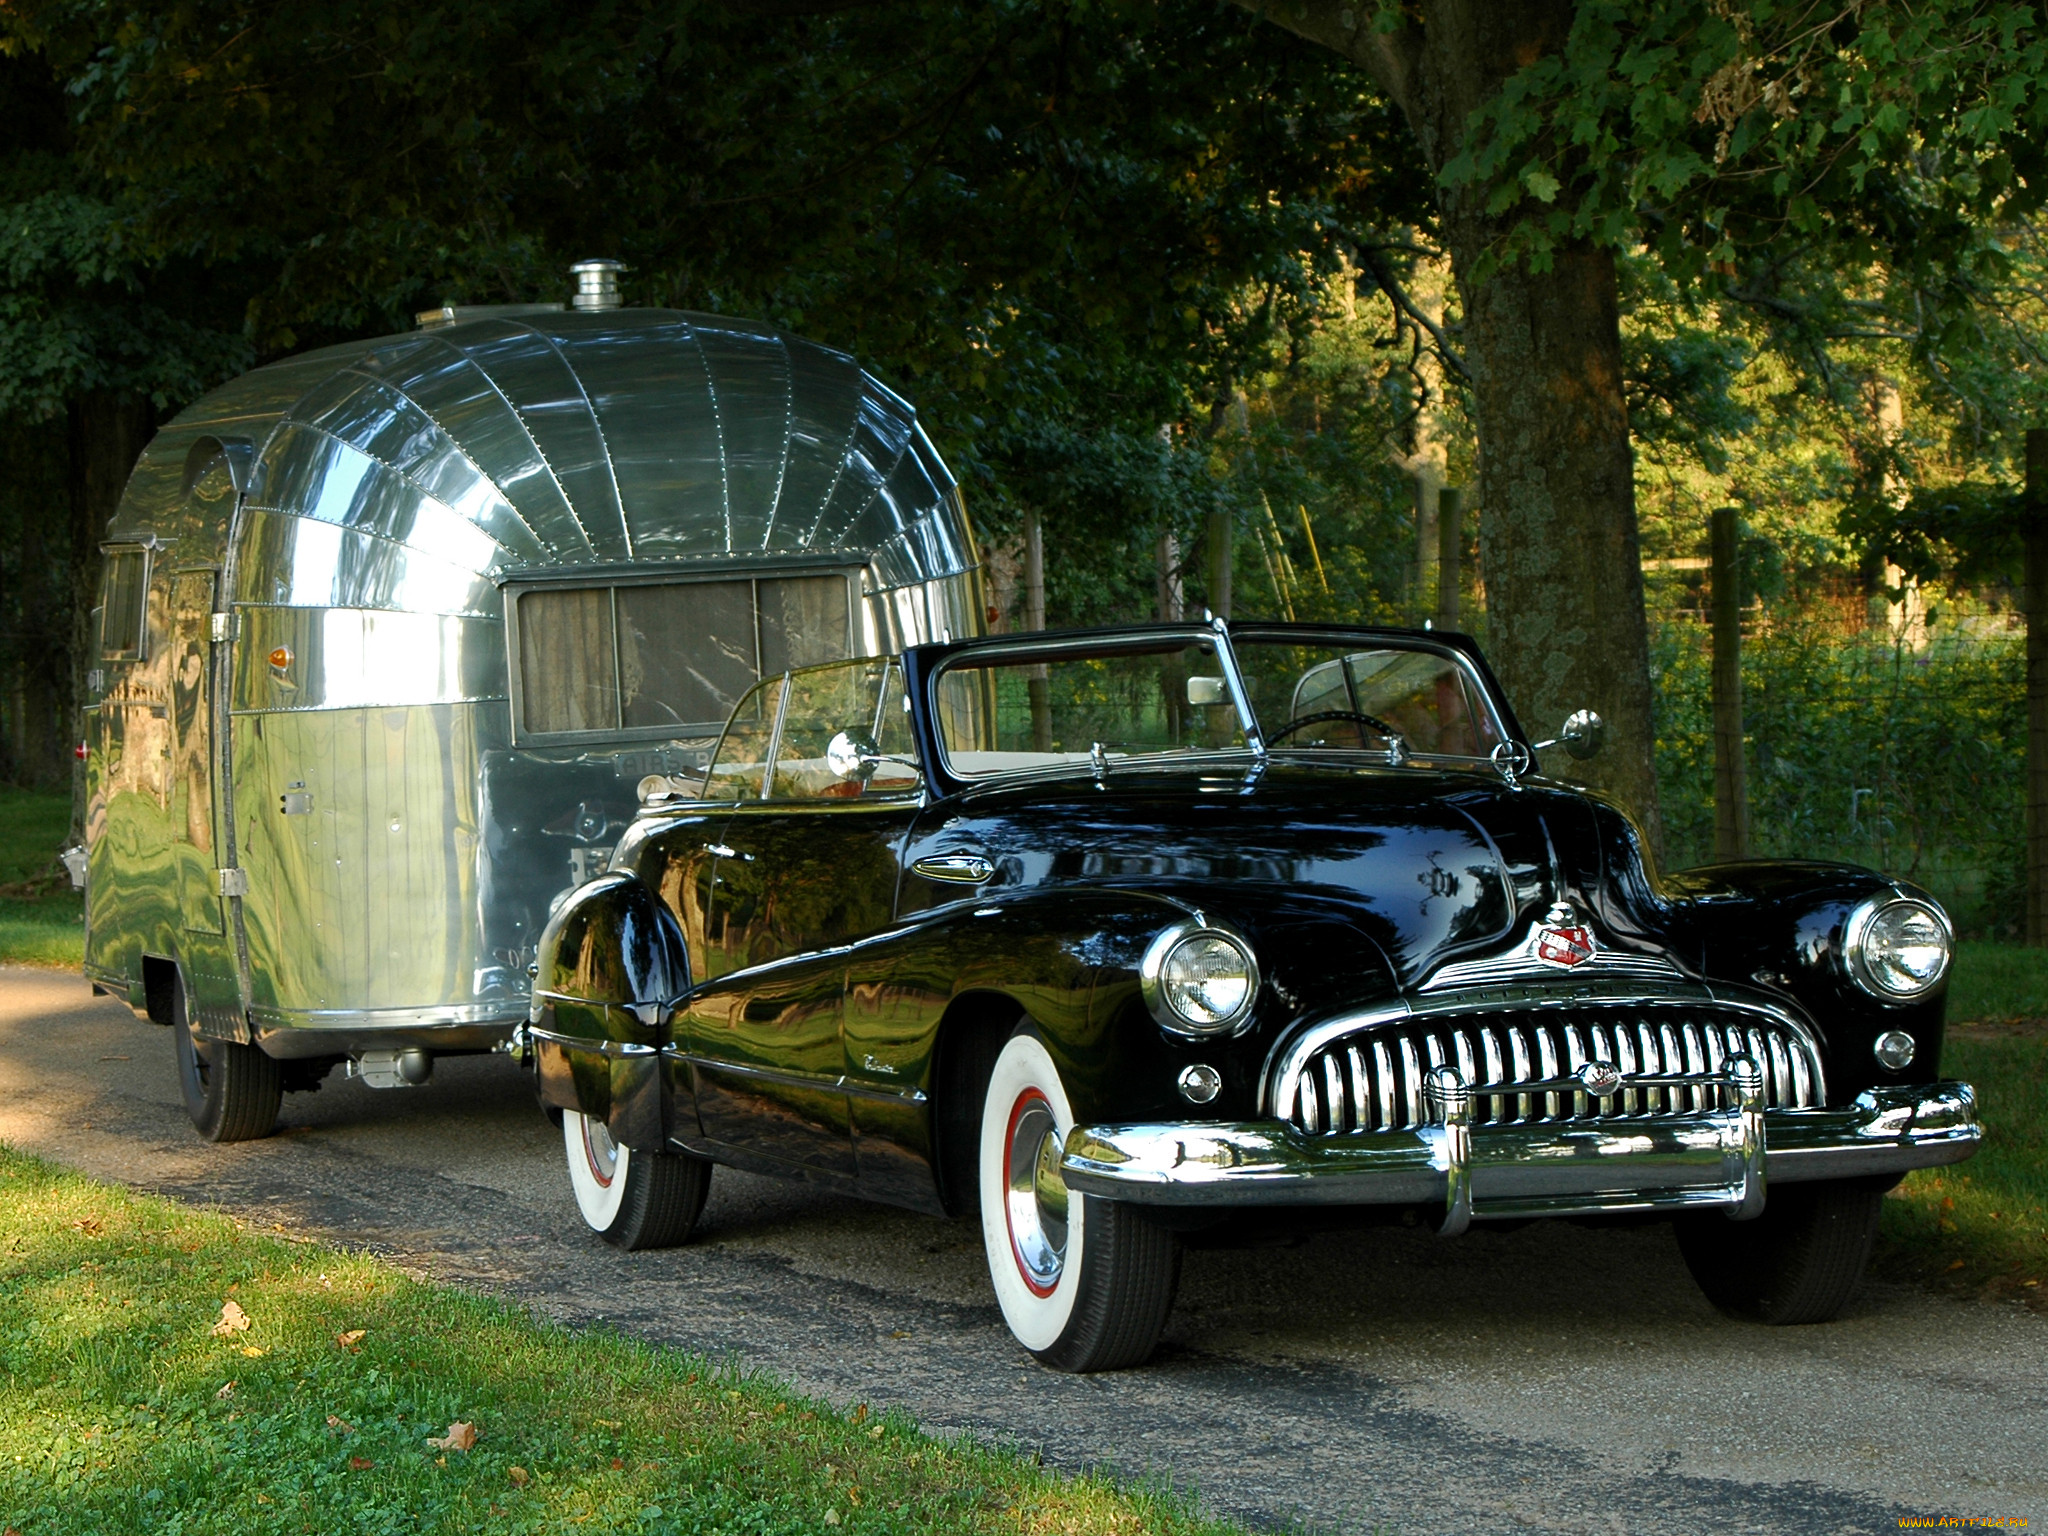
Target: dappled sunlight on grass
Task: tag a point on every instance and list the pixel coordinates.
(124, 1407)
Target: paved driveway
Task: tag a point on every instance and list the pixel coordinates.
(1553, 1378)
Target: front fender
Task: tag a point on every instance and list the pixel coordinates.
(1779, 925)
(1070, 960)
(611, 964)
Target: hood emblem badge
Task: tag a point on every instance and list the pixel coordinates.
(1601, 1078)
(1564, 941)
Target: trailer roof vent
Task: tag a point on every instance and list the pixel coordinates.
(597, 283)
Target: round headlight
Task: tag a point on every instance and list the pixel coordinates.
(1898, 949)
(1199, 979)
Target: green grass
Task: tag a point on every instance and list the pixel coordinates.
(1982, 1226)
(41, 917)
(1998, 981)
(122, 1410)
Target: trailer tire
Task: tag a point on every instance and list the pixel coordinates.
(232, 1092)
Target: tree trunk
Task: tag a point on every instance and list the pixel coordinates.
(1450, 554)
(2036, 545)
(109, 430)
(1222, 534)
(1557, 517)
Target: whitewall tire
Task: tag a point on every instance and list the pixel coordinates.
(1085, 1284)
(632, 1199)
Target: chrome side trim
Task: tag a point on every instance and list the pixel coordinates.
(956, 868)
(613, 1049)
(841, 1084)
(1519, 1171)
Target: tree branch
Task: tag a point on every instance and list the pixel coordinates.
(1372, 260)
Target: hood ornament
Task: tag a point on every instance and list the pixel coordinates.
(1563, 940)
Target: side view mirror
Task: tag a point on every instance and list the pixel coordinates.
(851, 756)
(1584, 734)
(1208, 690)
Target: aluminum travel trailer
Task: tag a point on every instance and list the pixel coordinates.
(393, 632)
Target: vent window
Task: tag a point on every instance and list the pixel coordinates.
(667, 658)
(124, 603)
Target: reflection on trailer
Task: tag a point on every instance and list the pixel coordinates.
(392, 632)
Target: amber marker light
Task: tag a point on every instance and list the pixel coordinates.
(281, 657)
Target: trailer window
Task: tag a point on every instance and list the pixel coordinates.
(669, 657)
(124, 604)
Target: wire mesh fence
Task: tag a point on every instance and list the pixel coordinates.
(1905, 754)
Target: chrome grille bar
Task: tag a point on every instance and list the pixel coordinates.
(1519, 1063)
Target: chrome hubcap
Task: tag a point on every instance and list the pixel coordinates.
(1035, 1196)
(601, 1151)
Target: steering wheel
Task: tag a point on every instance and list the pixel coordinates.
(1397, 742)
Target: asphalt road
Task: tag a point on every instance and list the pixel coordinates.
(1553, 1378)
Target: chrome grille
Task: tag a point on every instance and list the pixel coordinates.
(1373, 1080)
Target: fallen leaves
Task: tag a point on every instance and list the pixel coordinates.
(232, 1320)
(89, 1226)
(360, 1464)
(227, 1391)
(350, 1339)
(519, 1476)
(339, 1426)
(461, 1436)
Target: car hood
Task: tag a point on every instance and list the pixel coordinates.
(1427, 865)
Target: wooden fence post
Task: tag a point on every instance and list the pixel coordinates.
(1731, 778)
(1036, 686)
(2034, 518)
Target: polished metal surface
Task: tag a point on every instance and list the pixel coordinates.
(1152, 988)
(1538, 1170)
(1552, 999)
(955, 868)
(1034, 1195)
(1452, 1103)
(1856, 938)
(1524, 960)
(1524, 1066)
(353, 528)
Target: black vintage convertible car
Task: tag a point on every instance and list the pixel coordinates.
(1109, 936)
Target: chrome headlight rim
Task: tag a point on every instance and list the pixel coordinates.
(1856, 947)
(1151, 979)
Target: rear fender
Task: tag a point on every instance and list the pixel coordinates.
(612, 965)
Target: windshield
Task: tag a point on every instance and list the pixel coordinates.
(1115, 700)
(1362, 692)
(1006, 713)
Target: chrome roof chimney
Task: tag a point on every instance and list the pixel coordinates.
(597, 283)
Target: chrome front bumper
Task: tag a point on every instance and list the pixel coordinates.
(1564, 1168)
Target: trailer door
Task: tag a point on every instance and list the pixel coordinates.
(192, 700)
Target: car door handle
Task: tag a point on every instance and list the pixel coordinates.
(958, 868)
(719, 850)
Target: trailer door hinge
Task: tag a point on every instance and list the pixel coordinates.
(223, 626)
(234, 882)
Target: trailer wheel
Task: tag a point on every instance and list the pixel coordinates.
(632, 1199)
(232, 1092)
